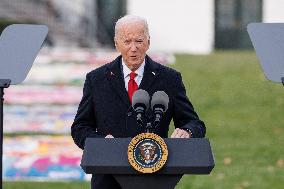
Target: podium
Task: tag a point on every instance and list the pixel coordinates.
(109, 156)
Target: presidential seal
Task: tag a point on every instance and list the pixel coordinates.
(147, 152)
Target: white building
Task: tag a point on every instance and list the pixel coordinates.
(182, 26)
(190, 26)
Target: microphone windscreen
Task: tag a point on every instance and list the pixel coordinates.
(140, 97)
(160, 98)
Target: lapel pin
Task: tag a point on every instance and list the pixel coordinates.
(111, 73)
(153, 73)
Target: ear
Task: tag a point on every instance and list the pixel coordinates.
(115, 42)
(148, 42)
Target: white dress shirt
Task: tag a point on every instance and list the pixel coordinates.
(127, 71)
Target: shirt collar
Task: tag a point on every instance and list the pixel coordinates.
(127, 71)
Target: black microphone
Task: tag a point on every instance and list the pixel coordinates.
(140, 103)
(159, 105)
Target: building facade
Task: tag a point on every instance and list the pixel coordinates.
(183, 26)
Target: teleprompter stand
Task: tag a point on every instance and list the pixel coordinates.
(19, 45)
(109, 156)
(4, 83)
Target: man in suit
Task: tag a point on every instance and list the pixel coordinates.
(105, 109)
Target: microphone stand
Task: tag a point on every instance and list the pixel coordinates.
(151, 124)
(4, 83)
(149, 128)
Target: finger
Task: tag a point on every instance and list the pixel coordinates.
(109, 136)
(185, 134)
(174, 134)
(182, 134)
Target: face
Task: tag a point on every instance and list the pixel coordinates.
(132, 42)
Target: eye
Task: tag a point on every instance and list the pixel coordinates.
(140, 41)
(127, 41)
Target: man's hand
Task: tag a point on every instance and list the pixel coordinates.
(180, 133)
(109, 136)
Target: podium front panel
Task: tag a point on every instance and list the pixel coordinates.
(109, 156)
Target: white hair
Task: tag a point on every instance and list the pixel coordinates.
(127, 19)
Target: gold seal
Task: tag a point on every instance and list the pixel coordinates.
(147, 152)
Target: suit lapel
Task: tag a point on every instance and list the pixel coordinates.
(116, 80)
(151, 71)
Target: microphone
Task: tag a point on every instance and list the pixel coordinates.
(159, 105)
(140, 103)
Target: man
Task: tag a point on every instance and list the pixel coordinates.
(105, 109)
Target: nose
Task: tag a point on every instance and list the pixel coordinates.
(133, 46)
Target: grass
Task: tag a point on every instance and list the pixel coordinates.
(243, 113)
(244, 117)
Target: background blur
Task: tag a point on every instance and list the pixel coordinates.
(205, 40)
(191, 26)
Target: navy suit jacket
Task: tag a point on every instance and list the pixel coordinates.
(105, 107)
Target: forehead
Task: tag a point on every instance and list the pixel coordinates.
(133, 29)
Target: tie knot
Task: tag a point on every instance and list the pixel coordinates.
(132, 75)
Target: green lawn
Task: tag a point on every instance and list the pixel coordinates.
(243, 113)
(244, 117)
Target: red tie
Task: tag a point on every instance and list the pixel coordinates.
(132, 85)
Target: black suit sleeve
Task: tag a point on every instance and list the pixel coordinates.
(84, 124)
(184, 115)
